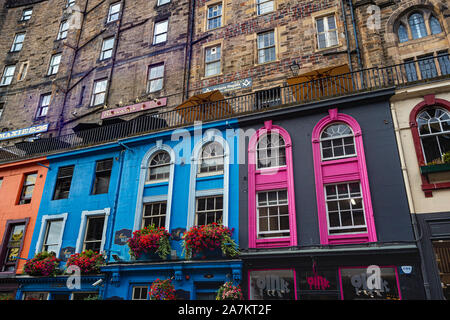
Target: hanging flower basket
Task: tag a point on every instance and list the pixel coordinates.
(162, 290)
(209, 238)
(228, 291)
(150, 241)
(88, 261)
(43, 264)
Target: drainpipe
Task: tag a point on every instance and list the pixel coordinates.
(344, 18)
(189, 48)
(358, 53)
(417, 234)
(113, 212)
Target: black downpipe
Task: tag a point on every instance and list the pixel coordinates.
(358, 52)
(344, 18)
(189, 48)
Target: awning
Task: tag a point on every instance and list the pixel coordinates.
(321, 83)
(205, 106)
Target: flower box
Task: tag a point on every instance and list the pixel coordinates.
(435, 168)
(150, 243)
(207, 241)
(43, 264)
(88, 261)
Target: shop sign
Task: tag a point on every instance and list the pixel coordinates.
(121, 237)
(272, 285)
(370, 283)
(134, 108)
(24, 132)
(230, 86)
(317, 282)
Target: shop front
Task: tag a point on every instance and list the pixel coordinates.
(364, 274)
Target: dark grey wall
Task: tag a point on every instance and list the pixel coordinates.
(391, 211)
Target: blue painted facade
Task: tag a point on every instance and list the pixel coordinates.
(80, 204)
(192, 279)
(122, 206)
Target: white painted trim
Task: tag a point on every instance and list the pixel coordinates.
(142, 184)
(193, 193)
(81, 233)
(42, 231)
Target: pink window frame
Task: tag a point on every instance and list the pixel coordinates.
(270, 179)
(343, 170)
(429, 101)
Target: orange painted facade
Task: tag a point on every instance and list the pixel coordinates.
(19, 202)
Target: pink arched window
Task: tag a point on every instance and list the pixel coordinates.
(271, 197)
(343, 197)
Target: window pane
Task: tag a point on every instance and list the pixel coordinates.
(417, 25)
(402, 34)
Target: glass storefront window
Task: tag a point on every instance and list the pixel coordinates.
(272, 285)
(369, 283)
(442, 254)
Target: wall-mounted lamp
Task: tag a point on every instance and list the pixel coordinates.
(295, 68)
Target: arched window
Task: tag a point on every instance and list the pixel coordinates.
(271, 206)
(271, 151)
(417, 25)
(337, 141)
(159, 167)
(433, 125)
(211, 158)
(344, 204)
(435, 26)
(402, 34)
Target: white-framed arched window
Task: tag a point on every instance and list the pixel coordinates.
(270, 151)
(157, 171)
(337, 141)
(433, 124)
(211, 158)
(159, 167)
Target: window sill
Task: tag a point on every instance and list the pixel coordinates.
(435, 168)
(209, 174)
(273, 242)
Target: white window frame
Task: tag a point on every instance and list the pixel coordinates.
(214, 61)
(55, 61)
(168, 165)
(327, 31)
(63, 30)
(26, 14)
(150, 80)
(262, 3)
(95, 93)
(213, 17)
(162, 2)
(353, 226)
(107, 48)
(161, 214)
(85, 215)
(265, 48)
(18, 44)
(114, 12)
(201, 159)
(215, 210)
(41, 107)
(7, 75)
(341, 137)
(165, 32)
(275, 148)
(43, 231)
(140, 288)
(278, 204)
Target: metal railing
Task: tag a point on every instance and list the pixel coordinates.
(423, 70)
